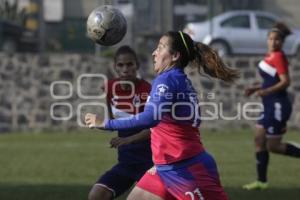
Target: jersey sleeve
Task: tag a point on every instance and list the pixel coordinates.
(158, 104)
(146, 86)
(146, 89)
(107, 90)
(280, 63)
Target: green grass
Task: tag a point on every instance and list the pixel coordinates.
(63, 166)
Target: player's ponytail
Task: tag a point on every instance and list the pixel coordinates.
(200, 55)
(281, 29)
(208, 61)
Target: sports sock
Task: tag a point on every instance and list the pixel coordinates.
(262, 161)
(292, 150)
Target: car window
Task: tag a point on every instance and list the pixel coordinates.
(264, 22)
(237, 22)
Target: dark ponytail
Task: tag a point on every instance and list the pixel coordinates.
(208, 61)
(281, 29)
(200, 56)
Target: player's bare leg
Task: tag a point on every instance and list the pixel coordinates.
(99, 192)
(138, 193)
(275, 145)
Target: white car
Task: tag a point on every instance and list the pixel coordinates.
(241, 32)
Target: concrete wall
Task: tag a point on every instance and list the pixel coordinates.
(26, 100)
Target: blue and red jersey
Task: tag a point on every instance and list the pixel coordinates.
(126, 103)
(273, 65)
(277, 106)
(173, 114)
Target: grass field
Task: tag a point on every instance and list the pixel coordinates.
(63, 166)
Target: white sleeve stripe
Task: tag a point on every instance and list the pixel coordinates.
(267, 68)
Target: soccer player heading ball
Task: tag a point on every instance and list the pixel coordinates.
(277, 107)
(183, 168)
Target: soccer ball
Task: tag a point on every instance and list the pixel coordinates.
(106, 25)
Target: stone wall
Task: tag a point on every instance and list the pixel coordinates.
(34, 88)
(25, 89)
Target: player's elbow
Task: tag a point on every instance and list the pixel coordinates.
(285, 83)
(149, 123)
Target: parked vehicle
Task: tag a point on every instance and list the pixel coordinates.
(241, 32)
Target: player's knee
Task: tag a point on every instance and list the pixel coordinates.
(135, 194)
(259, 142)
(100, 193)
(93, 195)
(273, 148)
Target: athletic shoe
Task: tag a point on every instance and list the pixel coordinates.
(256, 185)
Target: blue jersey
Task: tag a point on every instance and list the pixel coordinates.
(173, 111)
(169, 87)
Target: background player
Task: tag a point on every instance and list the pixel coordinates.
(134, 153)
(277, 107)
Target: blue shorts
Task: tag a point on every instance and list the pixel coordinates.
(274, 118)
(195, 178)
(122, 176)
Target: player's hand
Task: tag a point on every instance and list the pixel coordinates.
(119, 141)
(249, 91)
(94, 121)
